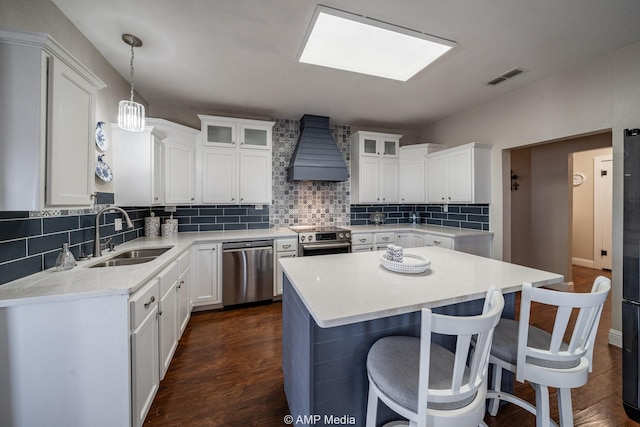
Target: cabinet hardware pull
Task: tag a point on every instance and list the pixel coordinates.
(363, 240)
(437, 242)
(385, 238)
(286, 246)
(160, 313)
(193, 198)
(151, 300)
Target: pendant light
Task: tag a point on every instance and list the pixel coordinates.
(130, 113)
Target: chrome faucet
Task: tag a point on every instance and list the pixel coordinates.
(97, 248)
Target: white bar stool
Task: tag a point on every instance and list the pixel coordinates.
(428, 384)
(544, 359)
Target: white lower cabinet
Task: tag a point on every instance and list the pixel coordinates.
(183, 289)
(206, 283)
(168, 315)
(381, 240)
(361, 242)
(410, 240)
(435, 240)
(145, 363)
(285, 248)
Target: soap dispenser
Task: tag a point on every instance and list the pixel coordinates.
(65, 260)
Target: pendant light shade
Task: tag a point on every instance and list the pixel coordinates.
(131, 113)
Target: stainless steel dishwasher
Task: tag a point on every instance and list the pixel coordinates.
(247, 272)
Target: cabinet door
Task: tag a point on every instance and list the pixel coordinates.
(368, 180)
(255, 136)
(220, 133)
(184, 300)
(220, 176)
(168, 328)
(369, 147)
(157, 173)
(388, 147)
(145, 366)
(179, 174)
(278, 281)
(205, 284)
(404, 240)
(460, 176)
(412, 181)
(437, 179)
(255, 176)
(389, 188)
(70, 155)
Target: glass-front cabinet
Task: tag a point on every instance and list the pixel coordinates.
(230, 132)
(374, 167)
(379, 146)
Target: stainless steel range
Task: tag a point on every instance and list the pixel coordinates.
(322, 240)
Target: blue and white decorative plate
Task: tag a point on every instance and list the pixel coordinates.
(103, 170)
(101, 137)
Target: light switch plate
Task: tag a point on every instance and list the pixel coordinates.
(117, 224)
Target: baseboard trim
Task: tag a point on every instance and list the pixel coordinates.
(589, 263)
(615, 338)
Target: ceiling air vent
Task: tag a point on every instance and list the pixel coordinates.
(509, 74)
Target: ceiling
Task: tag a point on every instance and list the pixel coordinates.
(238, 57)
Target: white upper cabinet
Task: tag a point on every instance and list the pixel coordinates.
(47, 118)
(460, 175)
(180, 175)
(374, 167)
(138, 157)
(155, 166)
(220, 176)
(236, 161)
(413, 172)
(231, 132)
(180, 162)
(412, 181)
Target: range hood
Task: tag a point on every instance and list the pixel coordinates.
(316, 156)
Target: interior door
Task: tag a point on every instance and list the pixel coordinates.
(602, 198)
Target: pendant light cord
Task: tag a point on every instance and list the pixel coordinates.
(131, 73)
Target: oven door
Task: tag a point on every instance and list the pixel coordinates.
(310, 249)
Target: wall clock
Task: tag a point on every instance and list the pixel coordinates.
(578, 179)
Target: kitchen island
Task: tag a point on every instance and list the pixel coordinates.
(336, 306)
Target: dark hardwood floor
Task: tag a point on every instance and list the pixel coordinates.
(227, 372)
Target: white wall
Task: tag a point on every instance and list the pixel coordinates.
(599, 95)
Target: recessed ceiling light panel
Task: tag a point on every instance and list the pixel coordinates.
(345, 41)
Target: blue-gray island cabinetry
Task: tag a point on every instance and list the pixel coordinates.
(336, 306)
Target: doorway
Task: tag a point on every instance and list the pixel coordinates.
(541, 205)
(592, 208)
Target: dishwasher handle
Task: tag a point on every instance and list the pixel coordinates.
(247, 245)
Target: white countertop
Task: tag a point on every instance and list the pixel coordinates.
(349, 288)
(424, 228)
(83, 282)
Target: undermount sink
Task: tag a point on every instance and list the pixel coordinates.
(142, 253)
(132, 257)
